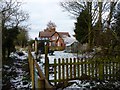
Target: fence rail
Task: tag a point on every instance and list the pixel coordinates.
(75, 68)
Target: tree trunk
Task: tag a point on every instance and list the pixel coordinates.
(89, 6)
(99, 28)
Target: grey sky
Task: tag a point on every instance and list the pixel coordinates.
(43, 11)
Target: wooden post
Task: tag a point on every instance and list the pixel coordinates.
(67, 76)
(63, 71)
(71, 68)
(46, 62)
(85, 67)
(33, 74)
(78, 67)
(106, 69)
(92, 69)
(88, 67)
(59, 69)
(31, 66)
(74, 67)
(81, 66)
(40, 73)
(55, 76)
(96, 69)
(118, 60)
(100, 70)
(41, 84)
(36, 45)
(110, 69)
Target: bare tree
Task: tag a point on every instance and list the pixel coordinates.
(12, 17)
(97, 12)
(51, 25)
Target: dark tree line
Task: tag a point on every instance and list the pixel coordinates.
(12, 17)
(22, 38)
(81, 27)
(93, 25)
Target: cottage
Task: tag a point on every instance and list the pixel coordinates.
(55, 38)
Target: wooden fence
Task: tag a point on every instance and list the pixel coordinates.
(64, 70)
(39, 79)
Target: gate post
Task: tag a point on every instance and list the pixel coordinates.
(46, 62)
(36, 45)
(31, 67)
(41, 84)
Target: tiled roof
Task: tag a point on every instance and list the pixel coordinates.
(64, 33)
(46, 34)
(43, 34)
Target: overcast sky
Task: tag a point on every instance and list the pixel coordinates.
(43, 11)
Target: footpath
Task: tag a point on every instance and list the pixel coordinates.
(15, 73)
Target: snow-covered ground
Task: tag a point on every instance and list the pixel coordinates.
(62, 54)
(81, 85)
(58, 54)
(19, 55)
(17, 73)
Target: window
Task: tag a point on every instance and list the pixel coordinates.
(58, 43)
(53, 38)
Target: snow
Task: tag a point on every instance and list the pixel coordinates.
(61, 54)
(17, 79)
(17, 56)
(69, 40)
(16, 70)
(58, 54)
(78, 84)
(6, 66)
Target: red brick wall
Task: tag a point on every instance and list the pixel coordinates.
(58, 40)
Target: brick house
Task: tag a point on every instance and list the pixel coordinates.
(55, 38)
